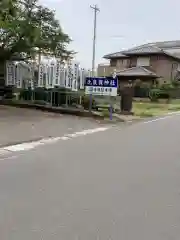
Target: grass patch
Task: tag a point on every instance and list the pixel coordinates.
(154, 109)
(174, 107)
(106, 113)
(142, 113)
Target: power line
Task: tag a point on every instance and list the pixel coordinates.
(96, 10)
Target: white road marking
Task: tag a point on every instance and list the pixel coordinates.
(157, 119)
(34, 144)
(174, 113)
(64, 138)
(8, 158)
(170, 115)
(3, 152)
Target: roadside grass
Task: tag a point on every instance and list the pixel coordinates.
(154, 109)
(146, 109)
(141, 109)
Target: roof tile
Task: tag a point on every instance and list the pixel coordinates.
(171, 48)
(115, 55)
(136, 71)
(143, 50)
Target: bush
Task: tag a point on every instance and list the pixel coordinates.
(55, 96)
(25, 94)
(176, 84)
(40, 94)
(141, 89)
(9, 92)
(166, 86)
(164, 95)
(58, 96)
(106, 113)
(74, 98)
(156, 93)
(86, 102)
(141, 92)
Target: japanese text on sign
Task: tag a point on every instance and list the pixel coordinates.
(101, 86)
(105, 82)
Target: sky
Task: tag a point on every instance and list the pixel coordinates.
(120, 24)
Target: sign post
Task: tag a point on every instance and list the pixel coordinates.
(104, 86)
(110, 109)
(90, 102)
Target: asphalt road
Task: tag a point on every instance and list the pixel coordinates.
(118, 184)
(21, 125)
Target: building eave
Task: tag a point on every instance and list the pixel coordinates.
(173, 55)
(147, 49)
(115, 55)
(136, 71)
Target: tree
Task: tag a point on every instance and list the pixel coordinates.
(27, 27)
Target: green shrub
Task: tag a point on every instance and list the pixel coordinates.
(25, 94)
(59, 96)
(106, 113)
(74, 98)
(40, 94)
(166, 86)
(176, 84)
(86, 102)
(8, 92)
(154, 94)
(158, 93)
(56, 96)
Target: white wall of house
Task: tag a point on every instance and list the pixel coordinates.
(143, 61)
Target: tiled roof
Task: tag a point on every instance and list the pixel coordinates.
(174, 52)
(136, 71)
(167, 44)
(171, 48)
(161, 45)
(143, 50)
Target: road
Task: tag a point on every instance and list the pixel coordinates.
(18, 125)
(123, 183)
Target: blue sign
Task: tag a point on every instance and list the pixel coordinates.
(101, 86)
(101, 82)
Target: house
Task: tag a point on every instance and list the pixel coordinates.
(158, 60)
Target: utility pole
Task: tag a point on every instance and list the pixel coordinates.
(96, 10)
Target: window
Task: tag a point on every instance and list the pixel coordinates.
(113, 62)
(120, 62)
(132, 63)
(143, 61)
(178, 66)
